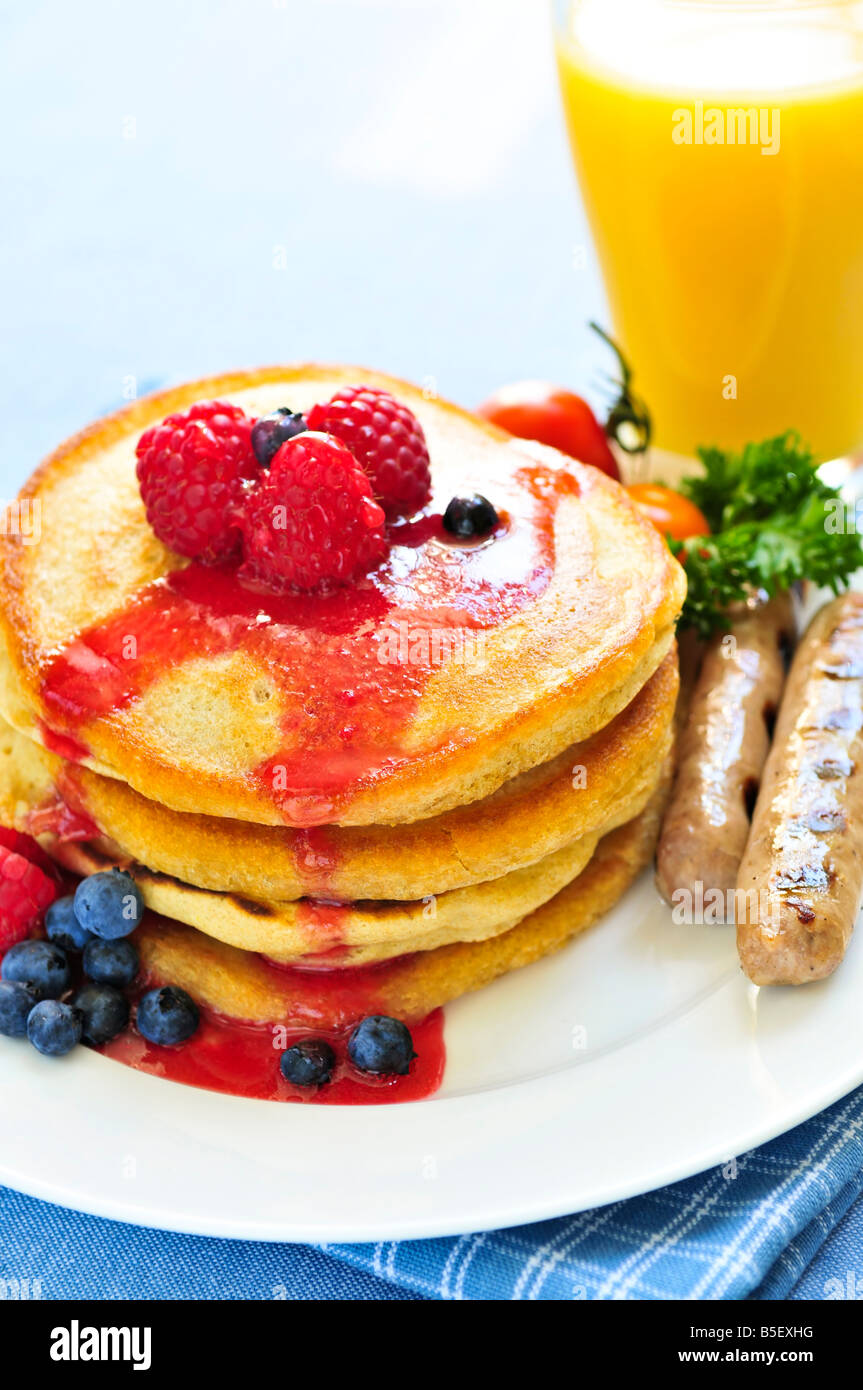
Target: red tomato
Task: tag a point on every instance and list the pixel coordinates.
(551, 415)
(671, 513)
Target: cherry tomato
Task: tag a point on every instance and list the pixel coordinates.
(551, 415)
(671, 513)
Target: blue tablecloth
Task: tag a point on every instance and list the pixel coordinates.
(199, 187)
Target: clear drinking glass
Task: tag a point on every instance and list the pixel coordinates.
(719, 149)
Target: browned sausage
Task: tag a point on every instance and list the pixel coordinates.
(723, 746)
(802, 872)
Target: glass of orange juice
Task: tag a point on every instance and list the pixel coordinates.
(719, 148)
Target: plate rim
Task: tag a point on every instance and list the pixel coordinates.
(529, 1206)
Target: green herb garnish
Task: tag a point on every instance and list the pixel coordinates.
(773, 522)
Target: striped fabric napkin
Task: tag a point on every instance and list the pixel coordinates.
(747, 1229)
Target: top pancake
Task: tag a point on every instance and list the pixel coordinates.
(424, 686)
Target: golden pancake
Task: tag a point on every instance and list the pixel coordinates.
(426, 685)
(591, 787)
(291, 931)
(239, 985)
(349, 933)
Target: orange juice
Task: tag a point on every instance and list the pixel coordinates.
(719, 148)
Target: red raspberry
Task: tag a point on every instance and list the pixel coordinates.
(312, 520)
(28, 848)
(388, 441)
(25, 892)
(191, 469)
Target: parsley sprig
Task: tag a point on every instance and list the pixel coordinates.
(773, 521)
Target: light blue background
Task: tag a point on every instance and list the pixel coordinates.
(190, 186)
(405, 163)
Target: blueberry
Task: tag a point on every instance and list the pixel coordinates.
(308, 1063)
(16, 1001)
(383, 1045)
(272, 431)
(468, 517)
(104, 1010)
(54, 1028)
(167, 1015)
(63, 927)
(109, 904)
(40, 964)
(110, 962)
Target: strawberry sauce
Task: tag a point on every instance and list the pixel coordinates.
(56, 816)
(323, 922)
(242, 1060)
(349, 667)
(351, 664)
(64, 745)
(316, 858)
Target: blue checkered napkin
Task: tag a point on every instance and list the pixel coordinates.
(48, 1252)
(749, 1228)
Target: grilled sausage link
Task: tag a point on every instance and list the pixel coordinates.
(723, 746)
(802, 873)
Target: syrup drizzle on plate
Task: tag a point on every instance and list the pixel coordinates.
(243, 1060)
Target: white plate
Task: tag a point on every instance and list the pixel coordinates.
(636, 1056)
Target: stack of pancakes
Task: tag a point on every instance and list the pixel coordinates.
(313, 782)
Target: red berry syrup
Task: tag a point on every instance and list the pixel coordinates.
(361, 658)
(242, 1059)
(353, 662)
